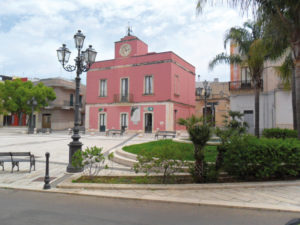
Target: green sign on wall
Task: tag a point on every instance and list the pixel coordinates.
(150, 108)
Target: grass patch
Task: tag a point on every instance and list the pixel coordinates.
(187, 149)
(134, 180)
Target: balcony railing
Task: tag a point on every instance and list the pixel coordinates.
(242, 85)
(127, 98)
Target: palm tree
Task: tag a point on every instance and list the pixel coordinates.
(199, 134)
(252, 53)
(286, 15)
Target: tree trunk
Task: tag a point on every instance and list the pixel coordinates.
(20, 117)
(297, 82)
(199, 164)
(256, 108)
(294, 104)
(220, 156)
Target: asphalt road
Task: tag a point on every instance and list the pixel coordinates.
(36, 208)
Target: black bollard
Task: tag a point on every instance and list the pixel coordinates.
(47, 178)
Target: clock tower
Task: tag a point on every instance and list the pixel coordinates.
(130, 46)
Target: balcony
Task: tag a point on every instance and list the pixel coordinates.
(65, 105)
(242, 85)
(125, 99)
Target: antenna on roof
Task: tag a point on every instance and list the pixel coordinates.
(129, 29)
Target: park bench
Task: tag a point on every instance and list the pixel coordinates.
(15, 158)
(165, 133)
(81, 129)
(44, 130)
(114, 132)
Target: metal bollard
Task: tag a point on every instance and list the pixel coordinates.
(47, 178)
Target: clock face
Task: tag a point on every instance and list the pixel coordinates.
(125, 50)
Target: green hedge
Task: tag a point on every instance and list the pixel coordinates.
(249, 157)
(279, 133)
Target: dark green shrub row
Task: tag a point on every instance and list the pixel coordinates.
(249, 157)
(279, 133)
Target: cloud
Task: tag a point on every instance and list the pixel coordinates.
(32, 30)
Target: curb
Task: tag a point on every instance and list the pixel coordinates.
(252, 206)
(67, 184)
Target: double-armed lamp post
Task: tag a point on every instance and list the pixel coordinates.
(205, 93)
(83, 63)
(33, 103)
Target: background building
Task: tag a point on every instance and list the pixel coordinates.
(139, 90)
(275, 101)
(218, 103)
(59, 114)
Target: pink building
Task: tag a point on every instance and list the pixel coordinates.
(139, 90)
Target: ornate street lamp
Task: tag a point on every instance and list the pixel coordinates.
(83, 63)
(33, 103)
(206, 93)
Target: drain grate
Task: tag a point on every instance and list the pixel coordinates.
(41, 179)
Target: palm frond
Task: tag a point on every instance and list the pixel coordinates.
(240, 36)
(244, 6)
(285, 71)
(226, 59)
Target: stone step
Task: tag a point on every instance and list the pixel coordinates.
(123, 160)
(126, 154)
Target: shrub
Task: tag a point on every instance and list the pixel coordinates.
(91, 159)
(166, 161)
(279, 133)
(248, 156)
(232, 125)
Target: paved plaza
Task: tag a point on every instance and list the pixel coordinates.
(283, 195)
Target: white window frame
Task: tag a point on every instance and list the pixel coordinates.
(245, 75)
(103, 91)
(148, 85)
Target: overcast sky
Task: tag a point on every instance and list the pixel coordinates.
(32, 30)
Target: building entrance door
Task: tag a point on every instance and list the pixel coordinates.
(249, 119)
(102, 126)
(46, 121)
(123, 121)
(148, 122)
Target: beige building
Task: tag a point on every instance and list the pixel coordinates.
(59, 115)
(218, 103)
(275, 101)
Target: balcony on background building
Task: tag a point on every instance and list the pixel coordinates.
(65, 105)
(242, 85)
(119, 99)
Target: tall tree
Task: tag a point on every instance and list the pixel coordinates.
(252, 54)
(15, 95)
(286, 14)
(1, 97)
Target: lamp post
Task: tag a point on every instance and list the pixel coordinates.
(83, 63)
(175, 112)
(33, 103)
(207, 91)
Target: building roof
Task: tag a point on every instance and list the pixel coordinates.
(60, 82)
